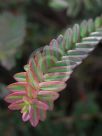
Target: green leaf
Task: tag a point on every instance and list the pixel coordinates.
(76, 33)
(21, 77)
(91, 26)
(68, 37)
(98, 22)
(58, 4)
(84, 28)
(18, 86)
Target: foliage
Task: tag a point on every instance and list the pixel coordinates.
(88, 6)
(49, 68)
(12, 34)
(84, 87)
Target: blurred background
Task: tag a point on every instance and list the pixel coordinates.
(26, 25)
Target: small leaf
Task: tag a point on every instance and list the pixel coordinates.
(26, 67)
(76, 33)
(52, 86)
(58, 4)
(68, 39)
(42, 114)
(60, 69)
(57, 76)
(21, 77)
(34, 117)
(60, 43)
(16, 105)
(47, 95)
(18, 86)
(98, 22)
(91, 26)
(84, 28)
(14, 96)
(55, 50)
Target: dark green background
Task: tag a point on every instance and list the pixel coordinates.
(83, 95)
